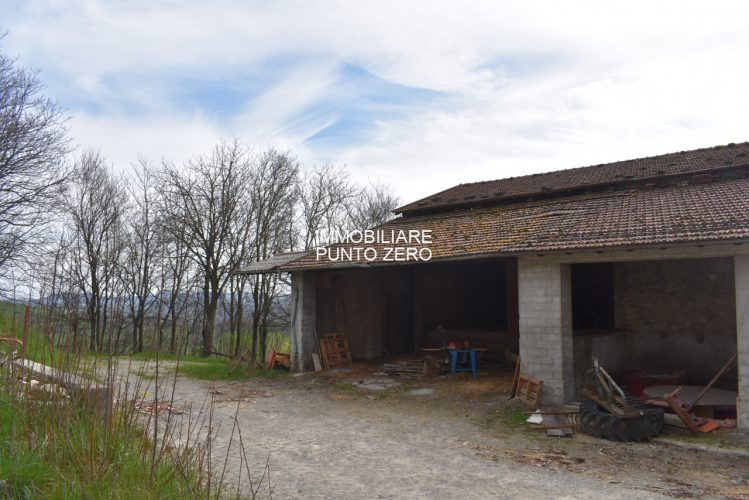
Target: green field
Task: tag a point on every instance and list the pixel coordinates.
(38, 349)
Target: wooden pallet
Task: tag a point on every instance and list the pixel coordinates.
(335, 351)
(529, 389)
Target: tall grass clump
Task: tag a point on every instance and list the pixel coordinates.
(57, 444)
(65, 441)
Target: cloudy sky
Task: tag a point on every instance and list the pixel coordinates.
(422, 95)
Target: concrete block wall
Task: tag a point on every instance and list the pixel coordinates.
(741, 270)
(545, 323)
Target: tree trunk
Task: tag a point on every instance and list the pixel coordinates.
(173, 339)
(209, 326)
(141, 325)
(135, 333)
(263, 339)
(255, 330)
(240, 305)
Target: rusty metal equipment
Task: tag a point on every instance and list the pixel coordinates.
(601, 388)
(609, 413)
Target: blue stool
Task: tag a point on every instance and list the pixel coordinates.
(464, 364)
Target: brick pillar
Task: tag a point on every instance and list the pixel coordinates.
(741, 276)
(303, 320)
(545, 323)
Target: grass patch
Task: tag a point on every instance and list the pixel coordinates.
(151, 356)
(345, 387)
(278, 341)
(513, 417)
(221, 369)
(22, 472)
(210, 368)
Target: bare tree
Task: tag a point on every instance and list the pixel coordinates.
(176, 271)
(323, 193)
(142, 247)
(274, 194)
(96, 210)
(373, 205)
(206, 201)
(33, 145)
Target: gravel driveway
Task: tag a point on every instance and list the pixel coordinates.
(331, 438)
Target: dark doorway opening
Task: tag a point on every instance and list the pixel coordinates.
(592, 296)
(398, 335)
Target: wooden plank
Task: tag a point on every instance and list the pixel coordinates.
(549, 427)
(714, 379)
(515, 376)
(550, 412)
(323, 356)
(316, 362)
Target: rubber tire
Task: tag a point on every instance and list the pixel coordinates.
(597, 422)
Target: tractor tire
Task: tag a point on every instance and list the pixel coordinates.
(597, 422)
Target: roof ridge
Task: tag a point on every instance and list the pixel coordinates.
(597, 165)
(696, 161)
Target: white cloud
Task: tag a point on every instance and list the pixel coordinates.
(531, 86)
(122, 139)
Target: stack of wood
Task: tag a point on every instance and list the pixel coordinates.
(405, 368)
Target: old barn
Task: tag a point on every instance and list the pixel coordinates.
(643, 263)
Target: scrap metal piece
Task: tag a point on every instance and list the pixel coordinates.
(683, 414)
(601, 388)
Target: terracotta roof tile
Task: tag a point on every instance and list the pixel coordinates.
(684, 163)
(703, 212)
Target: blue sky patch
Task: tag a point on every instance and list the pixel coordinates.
(364, 99)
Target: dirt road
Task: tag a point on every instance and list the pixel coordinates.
(339, 436)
